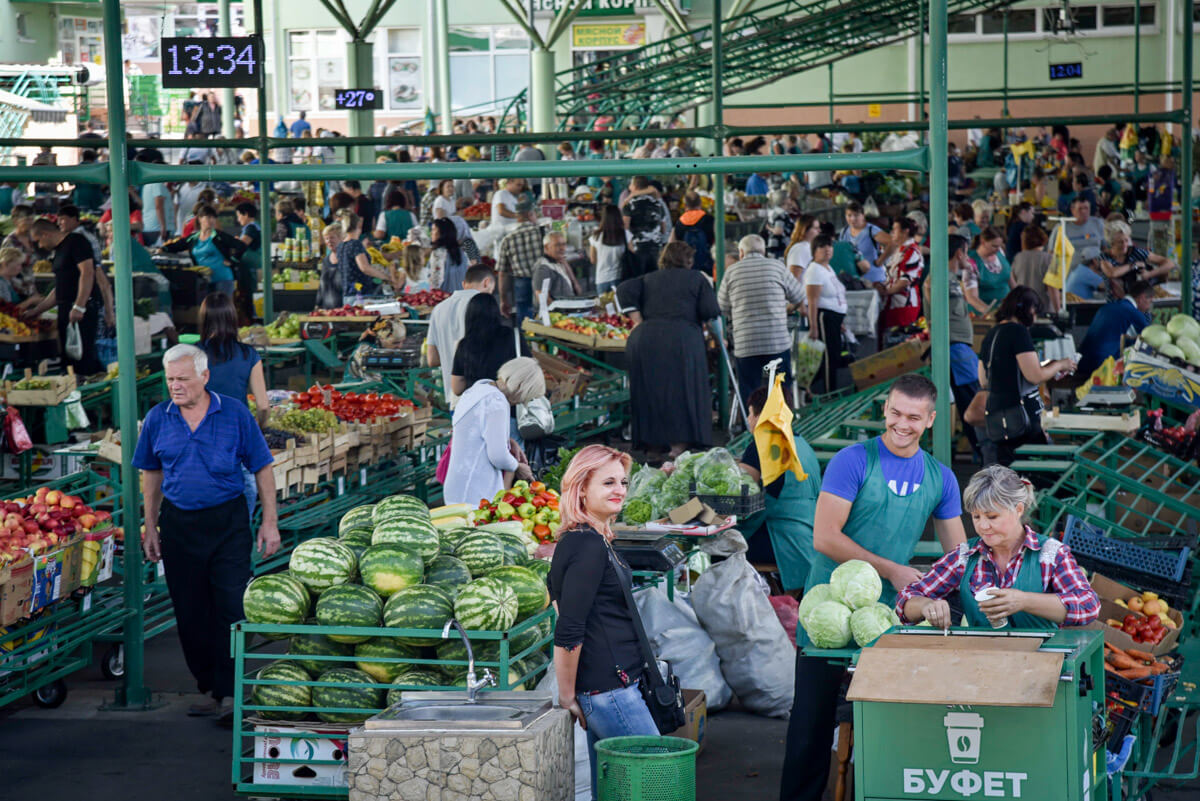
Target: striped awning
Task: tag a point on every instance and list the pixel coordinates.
(38, 111)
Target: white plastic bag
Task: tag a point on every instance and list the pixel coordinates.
(806, 359)
(678, 638)
(757, 660)
(74, 345)
(862, 311)
(535, 419)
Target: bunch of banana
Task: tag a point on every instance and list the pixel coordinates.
(377, 257)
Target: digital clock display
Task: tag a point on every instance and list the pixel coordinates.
(218, 62)
(358, 99)
(1060, 71)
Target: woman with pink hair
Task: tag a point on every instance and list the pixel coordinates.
(597, 658)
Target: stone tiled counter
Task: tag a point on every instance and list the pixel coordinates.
(534, 764)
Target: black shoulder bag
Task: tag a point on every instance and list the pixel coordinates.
(1011, 422)
(661, 693)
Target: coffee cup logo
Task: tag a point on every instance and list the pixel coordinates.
(964, 732)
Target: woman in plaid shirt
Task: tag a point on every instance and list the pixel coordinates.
(1037, 583)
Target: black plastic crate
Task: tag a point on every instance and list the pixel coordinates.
(1090, 542)
(391, 359)
(741, 505)
(1125, 700)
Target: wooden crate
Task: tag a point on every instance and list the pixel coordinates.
(889, 363)
(563, 379)
(60, 387)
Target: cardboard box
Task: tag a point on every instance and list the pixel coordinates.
(57, 574)
(1109, 591)
(1150, 372)
(103, 545)
(695, 711)
(280, 741)
(16, 591)
(693, 510)
(889, 363)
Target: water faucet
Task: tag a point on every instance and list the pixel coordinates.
(473, 685)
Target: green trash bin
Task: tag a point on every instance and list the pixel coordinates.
(646, 769)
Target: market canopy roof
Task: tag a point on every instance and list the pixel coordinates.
(38, 111)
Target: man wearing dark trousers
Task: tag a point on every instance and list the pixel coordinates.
(191, 452)
(76, 291)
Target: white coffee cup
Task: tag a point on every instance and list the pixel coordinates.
(985, 594)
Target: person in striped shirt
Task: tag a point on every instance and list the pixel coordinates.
(1034, 581)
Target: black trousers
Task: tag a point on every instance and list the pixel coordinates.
(646, 258)
(810, 729)
(829, 329)
(89, 330)
(963, 395)
(206, 557)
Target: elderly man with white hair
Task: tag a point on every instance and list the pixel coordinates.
(191, 452)
(754, 296)
(553, 267)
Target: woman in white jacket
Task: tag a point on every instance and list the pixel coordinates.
(483, 459)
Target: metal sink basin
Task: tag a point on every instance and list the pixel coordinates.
(451, 710)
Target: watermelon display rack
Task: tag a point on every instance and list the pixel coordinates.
(252, 651)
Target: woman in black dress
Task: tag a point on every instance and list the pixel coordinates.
(670, 395)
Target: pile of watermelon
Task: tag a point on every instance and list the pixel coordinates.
(391, 567)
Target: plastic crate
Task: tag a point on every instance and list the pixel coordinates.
(1091, 543)
(742, 505)
(1132, 700)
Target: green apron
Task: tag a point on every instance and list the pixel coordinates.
(884, 523)
(993, 287)
(1029, 579)
(790, 520)
(398, 221)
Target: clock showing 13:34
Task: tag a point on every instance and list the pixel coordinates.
(217, 62)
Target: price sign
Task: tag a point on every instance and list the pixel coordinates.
(341, 486)
(362, 477)
(1060, 71)
(356, 99)
(219, 62)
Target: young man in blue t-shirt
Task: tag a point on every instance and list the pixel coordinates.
(876, 497)
(1085, 280)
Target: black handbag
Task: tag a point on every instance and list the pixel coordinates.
(662, 694)
(1009, 423)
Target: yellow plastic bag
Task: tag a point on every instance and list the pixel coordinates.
(773, 438)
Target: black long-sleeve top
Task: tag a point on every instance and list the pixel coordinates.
(592, 613)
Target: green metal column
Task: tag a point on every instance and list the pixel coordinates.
(831, 93)
(225, 28)
(718, 122)
(921, 69)
(442, 53)
(541, 91)
(133, 692)
(1186, 147)
(264, 188)
(939, 213)
(1137, 55)
(361, 64)
(1004, 110)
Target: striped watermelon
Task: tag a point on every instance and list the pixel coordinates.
(448, 539)
(413, 678)
(539, 566)
(519, 642)
(383, 648)
(349, 605)
(481, 551)
(532, 595)
(387, 568)
(413, 532)
(359, 702)
(358, 517)
(282, 695)
(421, 607)
(486, 604)
(360, 534)
(514, 549)
(310, 645)
(277, 598)
(321, 563)
(398, 505)
(528, 665)
(453, 650)
(447, 572)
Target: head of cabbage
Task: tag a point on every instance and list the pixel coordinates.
(1183, 325)
(1156, 336)
(813, 596)
(868, 623)
(856, 584)
(828, 625)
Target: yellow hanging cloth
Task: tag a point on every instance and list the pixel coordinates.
(1063, 252)
(773, 438)
(1022, 150)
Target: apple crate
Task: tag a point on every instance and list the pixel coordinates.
(60, 386)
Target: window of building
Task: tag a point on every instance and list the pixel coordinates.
(488, 65)
(1115, 19)
(203, 19)
(1020, 20)
(80, 40)
(1126, 16)
(23, 29)
(399, 67)
(316, 69)
(1087, 18)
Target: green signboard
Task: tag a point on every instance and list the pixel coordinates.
(606, 8)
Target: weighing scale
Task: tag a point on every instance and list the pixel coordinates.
(648, 550)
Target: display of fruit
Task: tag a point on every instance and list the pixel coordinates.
(39, 522)
(352, 407)
(358, 702)
(367, 652)
(34, 383)
(424, 299)
(276, 598)
(345, 311)
(11, 322)
(419, 607)
(305, 420)
(388, 568)
(532, 595)
(321, 563)
(477, 211)
(13, 326)
(534, 506)
(283, 695)
(487, 604)
(605, 326)
(43, 266)
(349, 605)
(277, 439)
(114, 371)
(285, 327)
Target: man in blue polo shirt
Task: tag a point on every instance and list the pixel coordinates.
(191, 452)
(1121, 318)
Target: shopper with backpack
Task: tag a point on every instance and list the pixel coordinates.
(695, 227)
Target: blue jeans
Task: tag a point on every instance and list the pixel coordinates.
(522, 299)
(614, 713)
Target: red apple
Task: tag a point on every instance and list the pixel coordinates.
(41, 492)
(38, 509)
(32, 527)
(87, 521)
(54, 498)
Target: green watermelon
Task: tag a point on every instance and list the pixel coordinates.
(481, 551)
(276, 598)
(308, 645)
(321, 563)
(514, 549)
(349, 605)
(529, 665)
(359, 534)
(453, 650)
(447, 572)
(389, 567)
(519, 642)
(421, 607)
(413, 678)
(486, 604)
(398, 505)
(532, 595)
(415, 533)
(386, 648)
(359, 702)
(448, 539)
(278, 695)
(358, 517)
(539, 566)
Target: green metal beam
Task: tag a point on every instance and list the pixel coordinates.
(1187, 149)
(718, 120)
(339, 14)
(939, 214)
(362, 30)
(563, 20)
(518, 15)
(264, 188)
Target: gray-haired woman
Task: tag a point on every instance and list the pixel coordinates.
(1008, 574)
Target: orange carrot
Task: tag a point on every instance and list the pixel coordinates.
(1122, 661)
(1134, 674)
(1141, 656)
(1157, 668)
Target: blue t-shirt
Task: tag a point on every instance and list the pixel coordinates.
(1084, 281)
(964, 364)
(868, 248)
(252, 230)
(1103, 338)
(202, 468)
(299, 127)
(846, 471)
(756, 185)
(231, 377)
